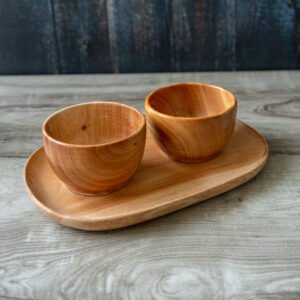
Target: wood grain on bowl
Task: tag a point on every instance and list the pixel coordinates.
(191, 122)
(95, 147)
(159, 187)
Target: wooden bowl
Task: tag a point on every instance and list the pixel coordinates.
(191, 122)
(95, 147)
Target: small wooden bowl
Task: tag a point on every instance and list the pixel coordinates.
(95, 147)
(191, 122)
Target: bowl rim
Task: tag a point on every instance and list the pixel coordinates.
(148, 107)
(56, 141)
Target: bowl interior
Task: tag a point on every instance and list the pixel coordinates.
(191, 100)
(94, 123)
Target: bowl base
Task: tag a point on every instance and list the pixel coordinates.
(95, 194)
(184, 160)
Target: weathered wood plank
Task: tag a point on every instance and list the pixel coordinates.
(82, 36)
(149, 36)
(296, 4)
(241, 245)
(139, 35)
(266, 34)
(27, 43)
(53, 36)
(269, 101)
(202, 35)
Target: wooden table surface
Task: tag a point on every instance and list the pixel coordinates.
(244, 244)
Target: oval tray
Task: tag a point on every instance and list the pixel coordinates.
(159, 187)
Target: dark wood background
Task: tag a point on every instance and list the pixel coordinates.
(99, 36)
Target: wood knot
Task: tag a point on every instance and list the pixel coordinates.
(288, 109)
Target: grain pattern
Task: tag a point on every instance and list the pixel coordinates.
(82, 36)
(139, 35)
(34, 98)
(100, 36)
(160, 186)
(241, 245)
(262, 46)
(202, 35)
(191, 122)
(95, 147)
(27, 39)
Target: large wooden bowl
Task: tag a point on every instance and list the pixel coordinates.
(191, 122)
(95, 147)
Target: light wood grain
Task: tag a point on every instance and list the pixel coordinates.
(160, 186)
(95, 147)
(241, 245)
(191, 122)
(34, 98)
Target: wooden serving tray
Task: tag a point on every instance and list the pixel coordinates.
(159, 187)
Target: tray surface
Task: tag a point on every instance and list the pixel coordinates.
(160, 185)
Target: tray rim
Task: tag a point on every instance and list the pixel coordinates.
(77, 221)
